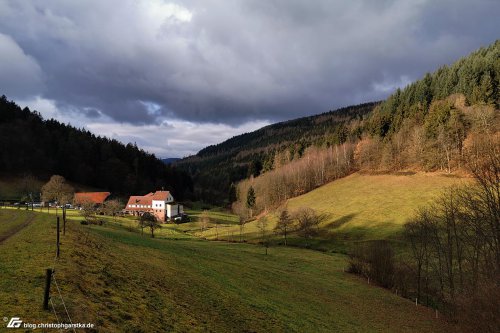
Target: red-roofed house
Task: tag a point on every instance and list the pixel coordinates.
(97, 198)
(159, 203)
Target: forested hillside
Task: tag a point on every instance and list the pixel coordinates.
(422, 126)
(31, 145)
(215, 168)
(430, 125)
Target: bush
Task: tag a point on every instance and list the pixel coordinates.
(381, 259)
(374, 260)
(478, 311)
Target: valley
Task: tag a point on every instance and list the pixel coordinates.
(124, 282)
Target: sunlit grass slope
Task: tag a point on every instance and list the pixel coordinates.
(373, 206)
(359, 207)
(125, 282)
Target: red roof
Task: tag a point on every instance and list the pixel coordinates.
(95, 197)
(146, 199)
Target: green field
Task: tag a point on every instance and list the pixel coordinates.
(123, 282)
(12, 219)
(356, 208)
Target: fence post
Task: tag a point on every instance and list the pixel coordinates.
(58, 237)
(48, 277)
(64, 221)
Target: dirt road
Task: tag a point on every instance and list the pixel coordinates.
(15, 230)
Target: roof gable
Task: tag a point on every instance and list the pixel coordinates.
(148, 198)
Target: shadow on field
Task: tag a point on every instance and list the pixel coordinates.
(340, 221)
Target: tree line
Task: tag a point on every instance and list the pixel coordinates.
(417, 128)
(217, 168)
(31, 145)
(418, 122)
(317, 167)
(452, 259)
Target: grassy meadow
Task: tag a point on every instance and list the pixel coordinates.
(121, 281)
(11, 220)
(356, 208)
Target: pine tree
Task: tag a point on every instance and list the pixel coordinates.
(251, 199)
(486, 89)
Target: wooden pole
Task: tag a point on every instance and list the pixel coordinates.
(48, 277)
(58, 237)
(64, 221)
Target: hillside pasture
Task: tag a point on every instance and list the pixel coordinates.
(357, 208)
(124, 282)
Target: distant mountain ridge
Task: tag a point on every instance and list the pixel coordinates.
(290, 130)
(215, 168)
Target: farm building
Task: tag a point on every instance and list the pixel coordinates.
(160, 203)
(97, 198)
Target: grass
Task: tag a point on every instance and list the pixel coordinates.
(373, 206)
(11, 219)
(123, 282)
(357, 208)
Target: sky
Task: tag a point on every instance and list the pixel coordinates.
(176, 76)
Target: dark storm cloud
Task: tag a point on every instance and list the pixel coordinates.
(229, 61)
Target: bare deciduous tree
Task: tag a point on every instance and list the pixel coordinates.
(30, 188)
(88, 211)
(262, 224)
(284, 225)
(204, 220)
(308, 222)
(148, 220)
(112, 208)
(56, 189)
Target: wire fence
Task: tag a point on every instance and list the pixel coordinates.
(58, 290)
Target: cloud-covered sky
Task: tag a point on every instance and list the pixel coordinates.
(175, 76)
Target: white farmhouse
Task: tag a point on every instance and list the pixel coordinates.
(160, 203)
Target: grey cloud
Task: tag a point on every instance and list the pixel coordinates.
(20, 74)
(233, 61)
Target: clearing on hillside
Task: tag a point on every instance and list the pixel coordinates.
(359, 207)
